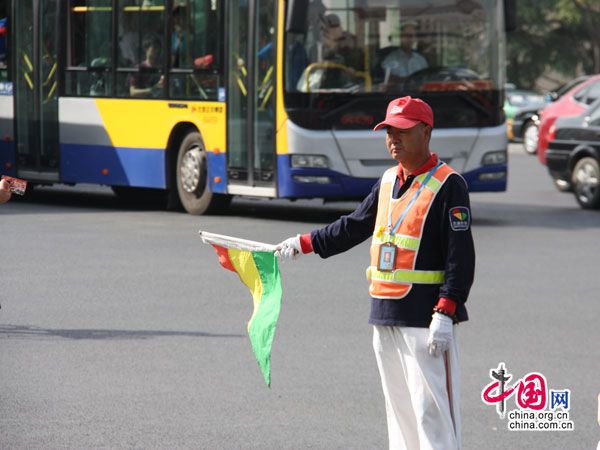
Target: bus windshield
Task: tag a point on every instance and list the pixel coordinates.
(399, 47)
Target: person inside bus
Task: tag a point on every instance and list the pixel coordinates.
(403, 61)
(128, 41)
(178, 43)
(296, 61)
(339, 46)
(146, 82)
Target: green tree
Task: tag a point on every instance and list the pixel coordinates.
(584, 15)
(554, 36)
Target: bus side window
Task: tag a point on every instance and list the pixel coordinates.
(195, 49)
(140, 71)
(89, 49)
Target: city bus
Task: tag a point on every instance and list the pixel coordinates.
(208, 99)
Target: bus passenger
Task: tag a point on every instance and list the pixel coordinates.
(147, 83)
(336, 59)
(339, 46)
(128, 41)
(178, 44)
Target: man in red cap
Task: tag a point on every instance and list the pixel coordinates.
(421, 270)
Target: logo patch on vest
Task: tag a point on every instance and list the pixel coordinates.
(460, 218)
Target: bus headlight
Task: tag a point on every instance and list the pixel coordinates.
(307, 179)
(492, 176)
(319, 161)
(496, 157)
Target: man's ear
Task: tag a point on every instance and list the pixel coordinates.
(428, 130)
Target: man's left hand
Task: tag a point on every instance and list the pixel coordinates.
(441, 334)
(4, 191)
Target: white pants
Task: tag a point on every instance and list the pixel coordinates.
(421, 391)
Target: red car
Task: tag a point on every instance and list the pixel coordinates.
(572, 103)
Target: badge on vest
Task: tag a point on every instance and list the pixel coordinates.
(387, 257)
(460, 218)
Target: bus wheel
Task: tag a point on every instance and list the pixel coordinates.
(192, 178)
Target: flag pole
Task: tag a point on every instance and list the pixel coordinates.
(234, 242)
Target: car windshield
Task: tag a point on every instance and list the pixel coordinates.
(396, 46)
(570, 85)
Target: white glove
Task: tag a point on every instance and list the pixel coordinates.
(289, 249)
(441, 334)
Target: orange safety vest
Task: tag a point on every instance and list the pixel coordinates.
(397, 283)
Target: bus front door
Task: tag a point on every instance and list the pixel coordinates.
(251, 159)
(36, 89)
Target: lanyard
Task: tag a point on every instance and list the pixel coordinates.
(412, 201)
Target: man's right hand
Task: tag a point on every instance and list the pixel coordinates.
(289, 249)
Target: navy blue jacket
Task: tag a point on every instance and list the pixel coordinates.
(441, 248)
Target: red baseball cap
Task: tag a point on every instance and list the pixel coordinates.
(406, 112)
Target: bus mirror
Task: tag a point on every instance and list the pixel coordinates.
(297, 16)
(510, 15)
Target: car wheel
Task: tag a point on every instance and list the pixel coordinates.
(530, 137)
(586, 183)
(192, 178)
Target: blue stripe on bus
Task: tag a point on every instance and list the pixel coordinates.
(146, 168)
(345, 186)
(125, 166)
(217, 168)
(8, 164)
(478, 185)
(341, 186)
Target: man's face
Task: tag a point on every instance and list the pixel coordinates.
(408, 37)
(152, 55)
(334, 32)
(409, 144)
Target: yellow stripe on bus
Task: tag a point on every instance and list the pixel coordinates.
(84, 9)
(281, 116)
(148, 123)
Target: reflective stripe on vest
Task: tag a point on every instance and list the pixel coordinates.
(407, 276)
(398, 283)
(398, 240)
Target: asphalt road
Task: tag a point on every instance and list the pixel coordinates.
(119, 329)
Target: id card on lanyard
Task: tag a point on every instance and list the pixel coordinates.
(387, 251)
(387, 257)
